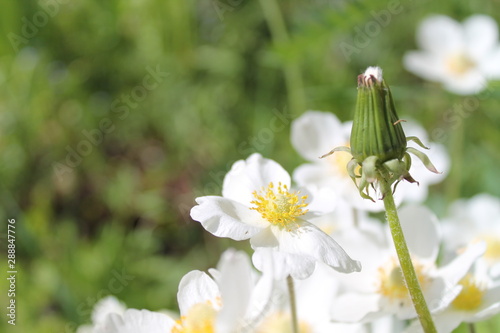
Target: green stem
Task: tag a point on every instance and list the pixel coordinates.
(291, 69)
(405, 262)
(293, 305)
(472, 328)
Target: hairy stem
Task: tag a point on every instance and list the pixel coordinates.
(293, 305)
(405, 262)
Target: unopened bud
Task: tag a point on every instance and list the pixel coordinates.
(376, 129)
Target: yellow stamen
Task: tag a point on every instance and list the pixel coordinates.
(459, 64)
(279, 206)
(392, 283)
(199, 319)
(471, 295)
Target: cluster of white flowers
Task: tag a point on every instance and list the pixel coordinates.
(292, 232)
(306, 227)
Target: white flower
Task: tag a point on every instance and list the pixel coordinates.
(474, 220)
(234, 300)
(479, 299)
(257, 203)
(380, 290)
(315, 133)
(460, 56)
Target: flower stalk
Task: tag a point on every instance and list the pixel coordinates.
(404, 257)
(293, 304)
(380, 160)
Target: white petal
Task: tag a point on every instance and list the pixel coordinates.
(251, 175)
(481, 34)
(235, 288)
(319, 200)
(444, 322)
(426, 65)
(265, 238)
(456, 270)
(310, 240)
(281, 264)
(261, 298)
(469, 83)
(106, 306)
(439, 157)
(440, 34)
(490, 64)
(313, 174)
(491, 303)
(367, 246)
(226, 218)
(313, 302)
(137, 321)
(484, 212)
(351, 307)
(412, 127)
(439, 294)
(315, 133)
(420, 230)
(196, 287)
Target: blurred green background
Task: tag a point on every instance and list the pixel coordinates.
(116, 208)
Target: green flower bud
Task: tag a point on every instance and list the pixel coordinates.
(378, 142)
(376, 129)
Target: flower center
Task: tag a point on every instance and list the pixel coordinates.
(279, 206)
(458, 64)
(280, 322)
(392, 283)
(199, 319)
(471, 295)
(492, 248)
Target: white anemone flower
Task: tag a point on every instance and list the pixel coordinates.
(479, 300)
(315, 133)
(379, 290)
(233, 300)
(463, 57)
(258, 203)
(474, 220)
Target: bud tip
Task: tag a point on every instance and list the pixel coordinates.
(374, 71)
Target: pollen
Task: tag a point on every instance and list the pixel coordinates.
(279, 206)
(459, 64)
(199, 319)
(471, 295)
(392, 283)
